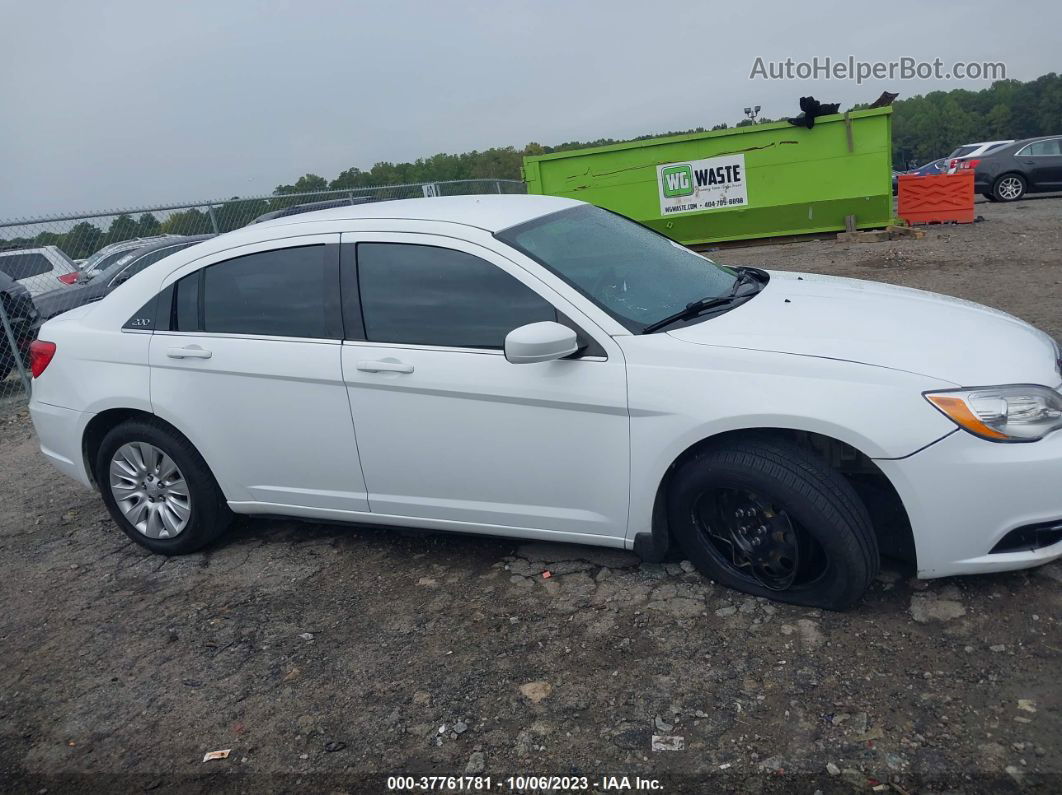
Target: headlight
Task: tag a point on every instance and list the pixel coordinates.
(1016, 413)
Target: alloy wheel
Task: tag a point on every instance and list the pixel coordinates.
(1009, 188)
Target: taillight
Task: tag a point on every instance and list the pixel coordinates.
(40, 356)
(68, 278)
(968, 163)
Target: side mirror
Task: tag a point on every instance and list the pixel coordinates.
(540, 342)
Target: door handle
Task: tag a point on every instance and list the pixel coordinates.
(188, 353)
(384, 366)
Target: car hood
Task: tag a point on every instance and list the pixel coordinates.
(886, 326)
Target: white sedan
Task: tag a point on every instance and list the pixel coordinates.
(540, 368)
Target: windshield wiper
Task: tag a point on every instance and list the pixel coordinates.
(694, 308)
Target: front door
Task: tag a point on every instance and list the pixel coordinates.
(251, 369)
(448, 429)
(1043, 161)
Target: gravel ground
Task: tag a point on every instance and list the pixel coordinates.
(329, 658)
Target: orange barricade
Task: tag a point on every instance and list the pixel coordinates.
(936, 197)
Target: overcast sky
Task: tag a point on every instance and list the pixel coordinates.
(107, 103)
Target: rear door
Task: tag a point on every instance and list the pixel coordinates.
(250, 370)
(448, 429)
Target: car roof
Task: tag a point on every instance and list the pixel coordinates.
(10, 252)
(172, 240)
(1034, 139)
(488, 212)
(1014, 146)
(137, 253)
(309, 207)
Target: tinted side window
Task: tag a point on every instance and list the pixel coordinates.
(186, 304)
(1042, 149)
(423, 295)
(23, 266)
(282, 293)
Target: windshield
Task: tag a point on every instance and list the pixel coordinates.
(633, 273)
(962, 150)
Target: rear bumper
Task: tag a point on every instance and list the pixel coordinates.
(60, 432)
(964, 494)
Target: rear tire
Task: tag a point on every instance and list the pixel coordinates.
(768, 517)
(1009, 187)
(150, 475)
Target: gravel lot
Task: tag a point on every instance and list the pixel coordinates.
(328, 658)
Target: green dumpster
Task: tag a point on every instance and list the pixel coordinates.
(763, 180)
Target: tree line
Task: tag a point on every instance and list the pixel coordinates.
(924, 128)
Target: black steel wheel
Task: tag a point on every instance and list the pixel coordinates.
(756, 539)
(768, 517)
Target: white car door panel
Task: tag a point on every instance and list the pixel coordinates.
(460, 434)
(269, 414)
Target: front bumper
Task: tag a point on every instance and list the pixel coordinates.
(60, 432)
(964, 494)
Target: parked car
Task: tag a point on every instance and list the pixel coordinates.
(110, 254)
(37, 269)
(92, 287)
(21, 317)
(932, 167)
(1032, 165)
(972, 150)
(309, 207)
(537, 367)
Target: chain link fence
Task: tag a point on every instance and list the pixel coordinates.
(51, 265)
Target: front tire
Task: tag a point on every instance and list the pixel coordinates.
(158, 488)
(768, 517)
(1009, 187)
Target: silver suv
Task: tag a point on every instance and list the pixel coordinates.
(37, 269)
